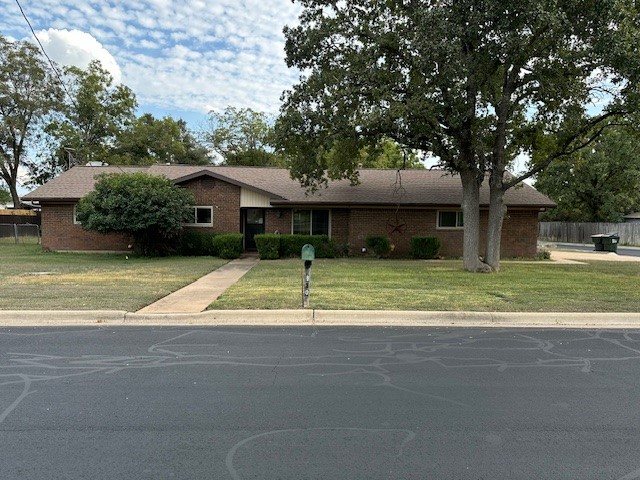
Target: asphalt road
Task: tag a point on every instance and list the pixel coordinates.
(621, 250)
(330, 403)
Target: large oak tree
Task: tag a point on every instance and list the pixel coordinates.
(474, 82)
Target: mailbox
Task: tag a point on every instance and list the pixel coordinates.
(308, 253)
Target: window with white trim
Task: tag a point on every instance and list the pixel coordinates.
(310, 222)
(202, 217)
(450, 219)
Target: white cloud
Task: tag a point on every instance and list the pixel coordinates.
(73, 47)
(183, 56)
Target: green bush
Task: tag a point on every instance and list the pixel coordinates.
(425, 247)
(543, 254)
(380, 244)
(291, 245)
(268, 245)
(228, 245)
(149, 208)
(194, 243)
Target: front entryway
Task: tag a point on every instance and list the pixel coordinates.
(253, 225)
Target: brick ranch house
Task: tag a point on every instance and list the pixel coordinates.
(254, 200)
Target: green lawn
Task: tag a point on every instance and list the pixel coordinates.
(438, 286)
(33, 279)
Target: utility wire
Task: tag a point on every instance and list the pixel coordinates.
(53, 66)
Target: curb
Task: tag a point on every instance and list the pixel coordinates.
(40, 318)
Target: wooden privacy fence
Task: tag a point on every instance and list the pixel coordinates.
(19, 216)
(571, 232)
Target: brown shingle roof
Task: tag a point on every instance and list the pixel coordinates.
(377, 187)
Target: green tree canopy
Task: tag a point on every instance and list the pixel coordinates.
(597, 184)
(28, 93)
(388, 154)
(241, 136)
(5, 195)
(473, 83)
(150, 208)
(149, 140)
(94, 114)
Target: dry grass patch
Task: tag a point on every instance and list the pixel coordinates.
(32, 279)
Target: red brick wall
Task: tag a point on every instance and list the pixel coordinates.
(348, 226)
(225, 199)
(519, 234)
(277, 220)
(60, 233)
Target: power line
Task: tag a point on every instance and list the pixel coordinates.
(44, 52)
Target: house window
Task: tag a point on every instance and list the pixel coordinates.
(75, 216)
(202, 217)
(311, 222)
(450, 219)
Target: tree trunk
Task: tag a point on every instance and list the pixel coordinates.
(471, 212)
(14, 195)
(497, 211)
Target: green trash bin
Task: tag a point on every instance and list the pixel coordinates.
(597, 242)
(610, 242)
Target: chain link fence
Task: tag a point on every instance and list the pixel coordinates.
(19, 233)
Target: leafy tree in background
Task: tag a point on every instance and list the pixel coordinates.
(150, 208)
(28, 93)
(473, 83)
(598, 184)
(388, 154)
(241, 136)
(149, 140)
(91, 120)
(5, 195)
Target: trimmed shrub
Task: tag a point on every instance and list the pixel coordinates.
(380, 244)
(291, 245)
(228, 245)
(425, 247)
(194, 243)
(268, 245)
(543, 254)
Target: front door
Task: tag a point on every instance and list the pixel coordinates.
(253, 225)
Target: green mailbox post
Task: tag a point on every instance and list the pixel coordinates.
(308, 255)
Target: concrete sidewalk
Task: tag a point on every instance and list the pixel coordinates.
(196, 297)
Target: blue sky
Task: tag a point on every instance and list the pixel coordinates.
(181, 58)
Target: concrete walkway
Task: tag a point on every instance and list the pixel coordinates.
(196, 297)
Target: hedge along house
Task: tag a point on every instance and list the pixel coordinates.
(254, 200)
